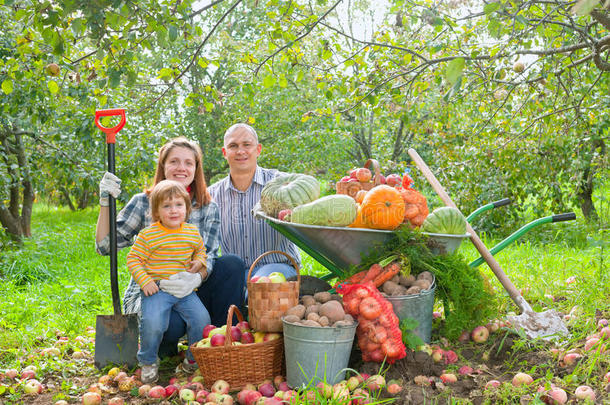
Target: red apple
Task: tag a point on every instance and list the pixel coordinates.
(555, 396)
(437, 355)
(11, 373)
(241, 396)
(450, 357)
(224, 399)
(251, 397)
(607, 377)
(480, 334)
(604, 333)
(465, 370)
(448, 378)
(283, 386)
(201, 396)
(492, 384)
(325, 389)
(243, 326)
(207, 329)
(344, 179)
(464, 337)
(352, 180)
(267, 389)
(360, 396)
(217, 340)
(375, 382)
(116, 401)
(585, 392)
(393, 180)
(602, 323)
(194, 386)
(27, 374)
(382, 179)
(143, 390)
(571, 359)
(352, 173)
(32, 387)
(254, 279)
(171, 390)
(156, 392)
(220, 387)
(92, 398)
(235, 334)
(363, 174)
(394, 387)
(247, 337)
(522, 379)
(283, 213)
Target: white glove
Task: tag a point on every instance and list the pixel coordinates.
(110, 185)
(181, 284)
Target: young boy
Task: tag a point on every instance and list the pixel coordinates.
(164, 248)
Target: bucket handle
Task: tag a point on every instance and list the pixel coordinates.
(294, 263)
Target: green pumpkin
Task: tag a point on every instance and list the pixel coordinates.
(447, 220)
(288, 191)
(332, 210)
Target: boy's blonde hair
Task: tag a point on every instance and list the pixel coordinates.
(164, 190)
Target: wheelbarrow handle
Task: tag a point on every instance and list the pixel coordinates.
(568, 216)
(502, 202)
(487, 207)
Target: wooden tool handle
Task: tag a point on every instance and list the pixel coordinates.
(478, 243)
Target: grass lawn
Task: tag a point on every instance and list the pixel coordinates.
(55, 285)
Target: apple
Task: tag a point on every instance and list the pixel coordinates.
(116, 401)
(201, 396)
(607, 377)
(585, 392)
(11, 373)
(279, 394)
(344, 179)
(217, 340)
(50, 351)
(394, 387)
(480, 334)
(241, 396)
(436, 315)
(604, 333)
(363, 174)
(492, 384)
(207, 329)
(448, 378)
(382, 179)
(283, 214)
(283, 386)
(95, 388)
(353, 181)
(360, 396)
(591, 343)
(194, 386)
(340, 392)
(224, 399)
(254, 279)
(243, 326)
(271, 336)
(258, 337)
(251, 397)
(393, 180)
(52, 69)
(353, 382)
(246, 338)
(92, 398)
(556, 396)
(518, 67)
(277, 277)
(464, 337)
(61, 402)
(32, 387)
(220, 387)
(203, 343)
(263, 279)
(27, 374)
(186, 394)
(143, 390)
(325, 389)
(465, 370)
(602, 323)
(522, 379)
(290, 396)
(352, 173)
(437, 355)
(375, 382)
(277, 380)
(267, 389)
(216, 331)
(213, 397)
(235, 334)
(450, 357)
(171, 390)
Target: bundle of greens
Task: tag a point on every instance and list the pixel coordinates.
(467, 297)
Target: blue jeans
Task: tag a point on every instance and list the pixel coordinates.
(286, 269)
(156, 310)
(224, 287)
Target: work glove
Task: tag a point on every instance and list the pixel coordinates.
(181, 284)
(110, 185)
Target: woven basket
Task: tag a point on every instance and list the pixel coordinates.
(240, 364)
(268, 302)
(351, 188)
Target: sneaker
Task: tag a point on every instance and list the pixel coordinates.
(187, 366)
(150, 374)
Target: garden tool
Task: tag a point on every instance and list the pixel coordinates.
(545, 325)
(116, 336)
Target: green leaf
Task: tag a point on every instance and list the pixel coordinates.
(269, 81)
(7, 86)
(491, 7)
(173, 33)
(283, 82)
(52, 85)
(455, 69)
(114, 78)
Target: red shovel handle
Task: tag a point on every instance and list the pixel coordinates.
(110, 132)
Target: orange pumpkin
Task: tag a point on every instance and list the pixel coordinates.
(383, 208)
(358, 223)
(416, 206)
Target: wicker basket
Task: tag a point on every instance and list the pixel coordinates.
(240, 364)
(351, 188)
(268, 302)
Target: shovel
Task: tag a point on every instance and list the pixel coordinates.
(545, 325)
(116, 336)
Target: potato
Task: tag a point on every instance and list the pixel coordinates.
(337, 297)
(399, 291)
(407, 281)
(313, 316)
(309, 322)
(298, 311)
(396, 278)
(389, 287)
(308, 300)
(426, 275)
(292, 318)
(312, 308)
(423, 283)
(333, 310)
(413, 290)
(323, 321)
(342, 324)
(322, 297)
(348, 318)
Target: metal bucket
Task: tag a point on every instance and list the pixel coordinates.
(316, 354)
(442, 244)
(416, 306)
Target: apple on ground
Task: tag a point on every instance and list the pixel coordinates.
(394, 387)
(325, 389)
(353, 382)
(11, 373)
(450, 357)
(220, 387)
(437, 355)
(556, 396)
(251, 397)
(202, 396)
(92, 398)
(143, 390)
(340, 392)
(187, 394)
(465, 370)
(522, 379)
(360, 396)
(116, 401)
(32, 387)
(27, 374)
(267, 389)
(171, 390)
(225, 399)
(375, 382)
(585, 392)
(277, 277)
(283, 386)
(480, 334)
(492, 384)
(448, 378)
(61, 402)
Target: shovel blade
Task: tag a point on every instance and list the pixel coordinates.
(116, 340)
(545, 325)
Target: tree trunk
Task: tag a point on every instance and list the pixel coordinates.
(585, 189)
(66, 194)
(16, 217)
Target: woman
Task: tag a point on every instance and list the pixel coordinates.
(179, 160)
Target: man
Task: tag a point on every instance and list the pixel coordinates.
(241, 233)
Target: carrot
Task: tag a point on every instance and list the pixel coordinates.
(356, 278)
(372, 273)
(388, 272)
